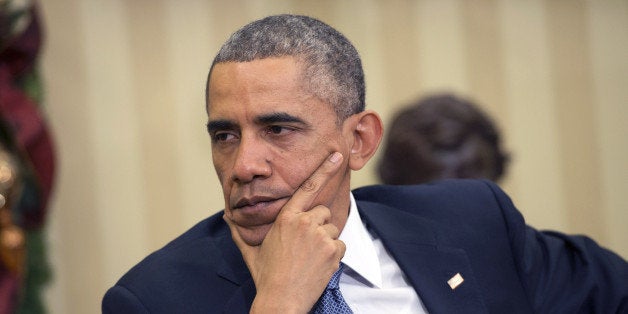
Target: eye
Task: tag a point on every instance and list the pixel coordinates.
(278, 129)
(223, 137)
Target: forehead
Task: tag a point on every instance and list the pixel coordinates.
(261, 72)
(274, 84)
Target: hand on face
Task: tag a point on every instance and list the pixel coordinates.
(301, 250)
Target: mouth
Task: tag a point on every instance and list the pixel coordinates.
(257, 211)
(257, 205)
(256, 201)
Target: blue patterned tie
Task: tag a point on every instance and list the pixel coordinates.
(332, 301)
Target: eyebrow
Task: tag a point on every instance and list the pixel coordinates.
(216, 125)
(266, 119)
(276, 117)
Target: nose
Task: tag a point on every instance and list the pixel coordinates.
(252, 161)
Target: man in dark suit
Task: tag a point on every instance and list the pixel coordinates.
(286, 117)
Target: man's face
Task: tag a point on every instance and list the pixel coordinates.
(268, 136)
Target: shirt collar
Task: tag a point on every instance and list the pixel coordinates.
(360, 255)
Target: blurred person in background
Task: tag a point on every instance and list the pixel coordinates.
(442, 136)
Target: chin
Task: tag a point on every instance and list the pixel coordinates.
(254, 237)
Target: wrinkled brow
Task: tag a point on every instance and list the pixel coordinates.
(216, 125)
(276, 117)
(265, 119)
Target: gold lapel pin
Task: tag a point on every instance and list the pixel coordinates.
(455, 281)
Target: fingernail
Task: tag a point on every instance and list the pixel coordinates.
(335, 157)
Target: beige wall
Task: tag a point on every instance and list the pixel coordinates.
(125, 82)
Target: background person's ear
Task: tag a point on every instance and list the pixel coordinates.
(367, 135)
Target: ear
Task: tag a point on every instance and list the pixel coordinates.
(367, 132)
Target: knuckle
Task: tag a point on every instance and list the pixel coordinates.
(342, 246)
(334, 230)
(324, 211)
(322, 234)
(304, 220)
(328, 248)
(309, 185)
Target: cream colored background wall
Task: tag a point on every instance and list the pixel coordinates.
(125, 83)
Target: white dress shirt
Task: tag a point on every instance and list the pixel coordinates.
(372, 281)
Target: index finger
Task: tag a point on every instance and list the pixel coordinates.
(307, 192)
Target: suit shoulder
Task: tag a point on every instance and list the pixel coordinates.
(459, 194)
(184, 269)
(198, 240)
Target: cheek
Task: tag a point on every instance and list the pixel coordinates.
(222, 172)
(221, 167)
(293, 168)
(299, 163)
(296, 168)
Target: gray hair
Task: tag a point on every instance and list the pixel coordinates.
(333, 70)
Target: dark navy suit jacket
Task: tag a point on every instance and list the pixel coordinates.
(433, 231)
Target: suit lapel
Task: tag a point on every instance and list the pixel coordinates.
(234, 270)
(414, 244)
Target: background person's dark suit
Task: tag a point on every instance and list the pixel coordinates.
(432, 231)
